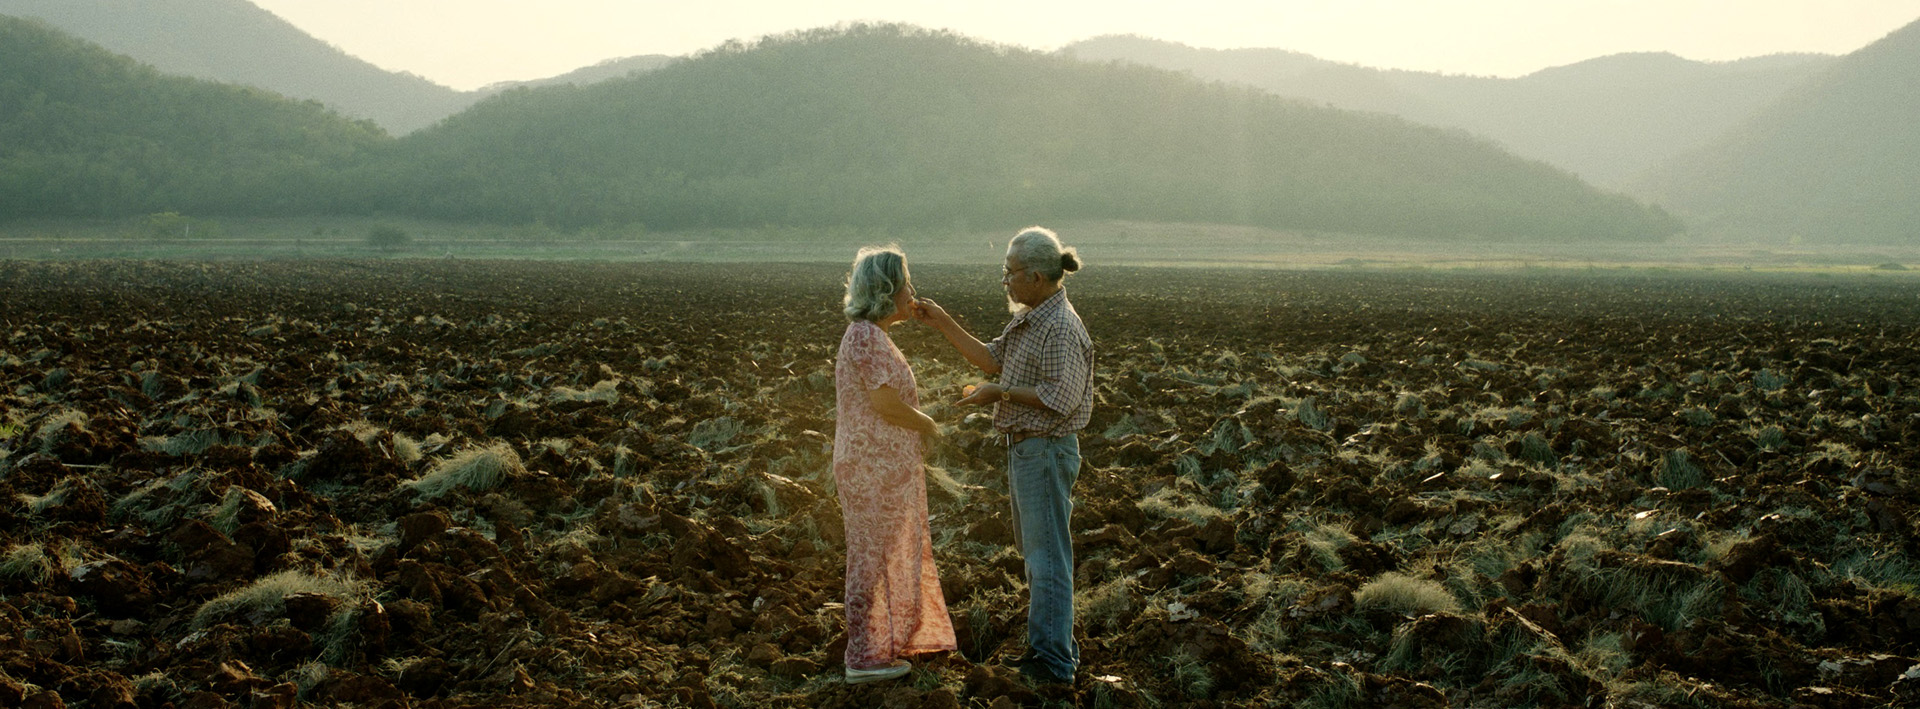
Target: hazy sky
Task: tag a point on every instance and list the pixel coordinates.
(469, 43)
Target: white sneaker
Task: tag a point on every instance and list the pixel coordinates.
(874, 674)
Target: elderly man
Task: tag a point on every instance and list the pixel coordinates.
(1043, 398)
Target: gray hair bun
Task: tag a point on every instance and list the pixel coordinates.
(1069, 260)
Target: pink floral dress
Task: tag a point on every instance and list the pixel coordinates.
(894, 604)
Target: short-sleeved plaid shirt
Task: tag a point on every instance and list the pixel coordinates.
(1046, 348)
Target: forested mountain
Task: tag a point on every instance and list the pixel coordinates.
(236, 41)
(863, 125)
(890, 125)
(1836, 159)
(1604, 119)
(84, 132)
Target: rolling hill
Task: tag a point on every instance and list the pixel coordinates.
(1605, 119)
(1836, 159)
(882, 126)
(891, 125)
(86, 133)
(236, 41)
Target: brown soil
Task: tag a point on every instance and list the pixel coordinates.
(1638, 490)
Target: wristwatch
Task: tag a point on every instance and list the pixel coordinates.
(1006, 395)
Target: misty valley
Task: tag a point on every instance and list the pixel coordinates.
(325, 385)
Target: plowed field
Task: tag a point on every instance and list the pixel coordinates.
(455, 483)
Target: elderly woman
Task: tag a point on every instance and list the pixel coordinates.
(894, 605)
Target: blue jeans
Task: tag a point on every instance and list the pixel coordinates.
(1040, 475)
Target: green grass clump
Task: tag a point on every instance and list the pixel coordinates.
(1697, 417)
(226, 517)
(1770, 438)
(712, 435)
(1410, 405)
(1399, 593)
(268, 595)
(1535, 448)
(1311, 416)
(474, 469)
(1678, 472)
(1190, 674)
(184, 443)
(1227, 435)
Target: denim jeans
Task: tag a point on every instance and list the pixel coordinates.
(1040, 474)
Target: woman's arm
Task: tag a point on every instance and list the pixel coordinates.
(894, 410)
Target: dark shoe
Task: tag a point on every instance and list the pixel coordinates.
(1038, 675)
(1020, 662)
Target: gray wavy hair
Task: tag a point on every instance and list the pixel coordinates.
(1039, 249)
(878, 272)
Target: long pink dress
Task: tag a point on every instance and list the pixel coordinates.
(894, 604)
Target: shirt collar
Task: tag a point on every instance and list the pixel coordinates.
(1045, 310)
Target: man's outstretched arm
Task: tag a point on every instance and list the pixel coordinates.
(971, 347)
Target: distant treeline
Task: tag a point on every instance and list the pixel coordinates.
(860, 126)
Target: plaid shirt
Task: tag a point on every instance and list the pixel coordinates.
(1046, 348)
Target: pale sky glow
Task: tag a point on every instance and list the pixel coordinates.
(469, 43)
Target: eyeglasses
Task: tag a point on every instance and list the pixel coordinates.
(1006, 273)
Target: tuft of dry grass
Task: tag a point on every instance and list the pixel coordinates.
(406, 450)
(605, 391)
(1399, 593)
(268, 595)
(474, 469)
(28, 562)
(1325, 540)
(1168, 503)
(185, 443)
(51, 430)
(1109, 606)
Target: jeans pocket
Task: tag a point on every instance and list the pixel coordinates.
(1028, 450)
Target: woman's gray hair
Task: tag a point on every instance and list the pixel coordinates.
(878, 272)
(1040, 249)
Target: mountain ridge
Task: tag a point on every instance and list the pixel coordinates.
(1605, 119)
(862, 125)
(1835, 159)
(239, 42)
(88, 133)
(947, 128)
